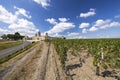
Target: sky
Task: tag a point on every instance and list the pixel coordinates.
(69, 18)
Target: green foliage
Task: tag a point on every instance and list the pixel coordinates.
(15, 36)
(111, 50)
(61, 49)
(4, 36)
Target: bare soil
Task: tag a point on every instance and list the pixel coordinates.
(86, 71)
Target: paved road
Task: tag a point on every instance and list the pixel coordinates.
(8, 51)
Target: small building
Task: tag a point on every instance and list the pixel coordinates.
(25, 38)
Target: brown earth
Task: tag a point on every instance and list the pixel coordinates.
(86, 71)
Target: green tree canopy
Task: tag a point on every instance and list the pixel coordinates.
(15, 36)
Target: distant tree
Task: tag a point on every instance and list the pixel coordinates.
(15, 36)
(10, 36)
(4, 36)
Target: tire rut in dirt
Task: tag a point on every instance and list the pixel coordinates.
(51, 66)
(43, 66)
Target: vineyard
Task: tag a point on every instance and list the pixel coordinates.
(105, 52)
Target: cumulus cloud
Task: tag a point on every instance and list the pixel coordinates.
(63, 19)
(88, 14)
(22, 25)
(69, 35)
(84, 25)
(6, 16)
(51, 20)
(16, 24)
(22, 12)
(115, 24)
(74, 35)
(4, 30)
(92, 29)
(61, 26)
(84, 30)
(117, 16)
(103, 24)
(43, 3)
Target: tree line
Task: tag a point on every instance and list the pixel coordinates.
(15, 36)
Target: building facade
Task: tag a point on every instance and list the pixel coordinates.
(39, 37)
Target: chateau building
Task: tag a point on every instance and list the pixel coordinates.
(37, 37)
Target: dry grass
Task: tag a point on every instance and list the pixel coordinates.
(5, 45)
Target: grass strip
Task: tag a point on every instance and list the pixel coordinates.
(8, 57)
(9, 44)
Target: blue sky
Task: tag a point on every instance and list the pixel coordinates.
(69, 18)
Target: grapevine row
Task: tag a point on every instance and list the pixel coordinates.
(95, 47)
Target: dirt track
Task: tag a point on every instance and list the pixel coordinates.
(39, 64)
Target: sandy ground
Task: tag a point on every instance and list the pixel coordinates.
(84, 72)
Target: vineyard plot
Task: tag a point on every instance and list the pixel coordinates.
(99, 56)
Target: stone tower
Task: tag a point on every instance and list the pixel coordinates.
(46, 36)
(39, 34)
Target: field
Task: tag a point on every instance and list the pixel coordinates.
(72, 59)
(105, 53)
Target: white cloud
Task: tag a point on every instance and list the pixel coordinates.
(60, 27)
(93, 29)
(84, 25)
(43, 3)
(22, 12)
(63, 19)
(115, 24)
(104, 24)
(73, 35)
(69, 35)
(3, 31)
(51, 20)
(84, 30)
(88, 14)
(16, 24)
(22, 24)
(117, 16)
(6, 16)
(103, 35)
